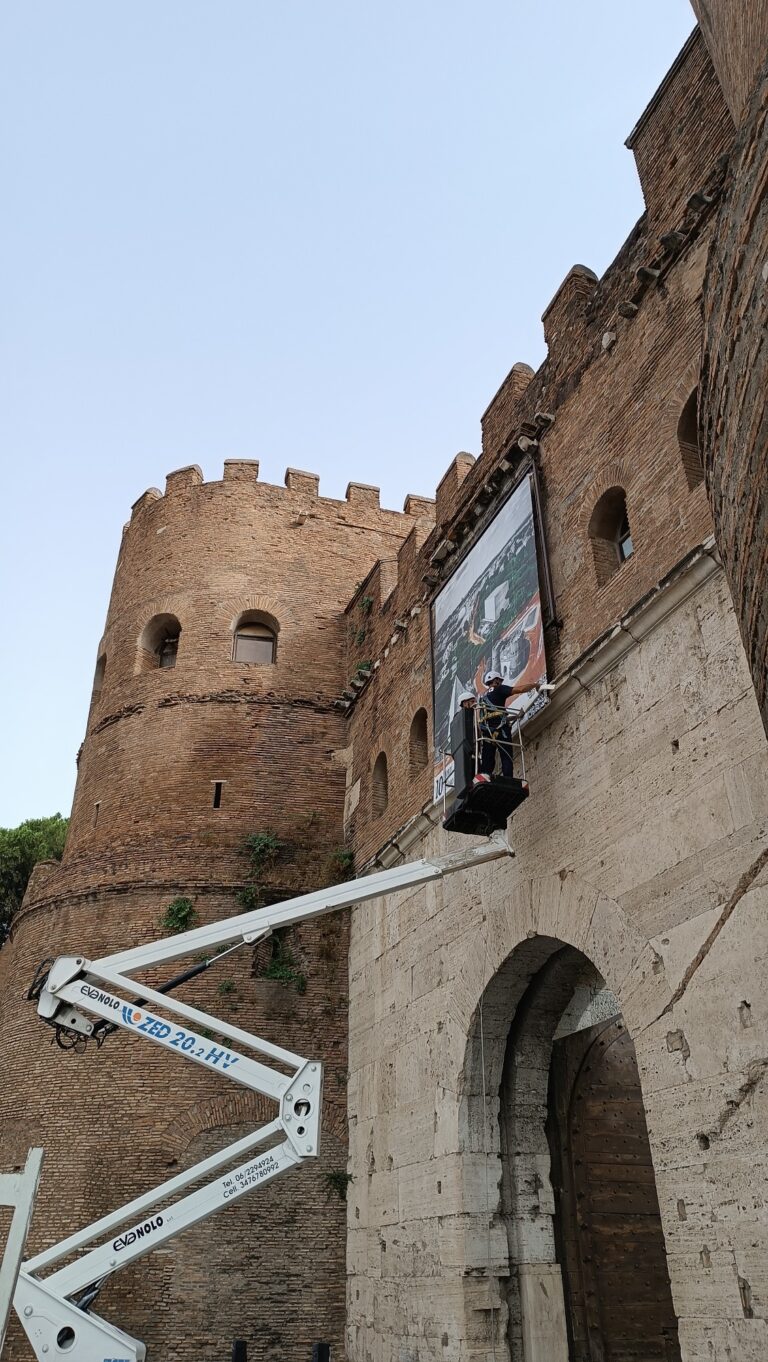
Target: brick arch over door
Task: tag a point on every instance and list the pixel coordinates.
(216, 1114)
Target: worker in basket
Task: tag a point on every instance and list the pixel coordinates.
(493, 726)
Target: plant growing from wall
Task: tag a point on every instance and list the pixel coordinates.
(328, 949)
(179, 916)
(338, 1180)
(283, 965)
(342, 864)
(250, 897)
(263, 849)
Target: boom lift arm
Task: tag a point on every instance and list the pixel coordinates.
(54, 1306)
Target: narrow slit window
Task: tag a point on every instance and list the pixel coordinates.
(418, 751)
(218, 786)
(98, 676)
(380, 786)
(96, 808)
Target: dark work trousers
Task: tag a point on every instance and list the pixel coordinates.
(502, 744)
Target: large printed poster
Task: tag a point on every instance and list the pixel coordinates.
(488, 615)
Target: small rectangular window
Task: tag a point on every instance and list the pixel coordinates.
(96, 808)
(218, 785)
(249, 648)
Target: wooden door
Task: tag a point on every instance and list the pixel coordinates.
(610, 1241)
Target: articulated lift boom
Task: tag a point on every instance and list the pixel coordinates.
(54, 1306)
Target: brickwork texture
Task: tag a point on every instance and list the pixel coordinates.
(643, 846)
(144, 832)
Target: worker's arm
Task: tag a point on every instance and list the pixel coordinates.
(541, 688)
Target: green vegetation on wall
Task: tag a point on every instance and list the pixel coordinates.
(179, 916)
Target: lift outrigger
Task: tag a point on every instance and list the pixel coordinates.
(87, 1000)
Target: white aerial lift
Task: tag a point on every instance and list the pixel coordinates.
(54, 1306)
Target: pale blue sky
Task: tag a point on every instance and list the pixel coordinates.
(317, 234)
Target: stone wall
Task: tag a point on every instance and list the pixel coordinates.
(643, 846)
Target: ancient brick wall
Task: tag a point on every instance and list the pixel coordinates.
(643, 836)
(643, 844)
(736, 37)
(624, 358)
(733, 412)
(145, 831)
(672, 157)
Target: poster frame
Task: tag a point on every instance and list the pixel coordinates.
(526, 468)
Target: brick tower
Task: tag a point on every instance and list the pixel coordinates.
(212, 720)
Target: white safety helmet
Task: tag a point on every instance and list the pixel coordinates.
(465, 695)
(492, 675)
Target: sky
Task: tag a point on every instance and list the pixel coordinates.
(315, 234)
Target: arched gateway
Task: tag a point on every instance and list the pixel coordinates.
(552, 1104)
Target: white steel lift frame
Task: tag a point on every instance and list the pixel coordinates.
(54, 1308)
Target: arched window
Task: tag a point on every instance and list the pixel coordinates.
(688, 441)
(380, 785)
(255, 640)
(418, 751)
(98, 675)
(159, 643)
(610, 534)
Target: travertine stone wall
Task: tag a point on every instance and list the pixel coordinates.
(643, 846)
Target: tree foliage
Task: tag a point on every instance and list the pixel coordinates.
(37, 839)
